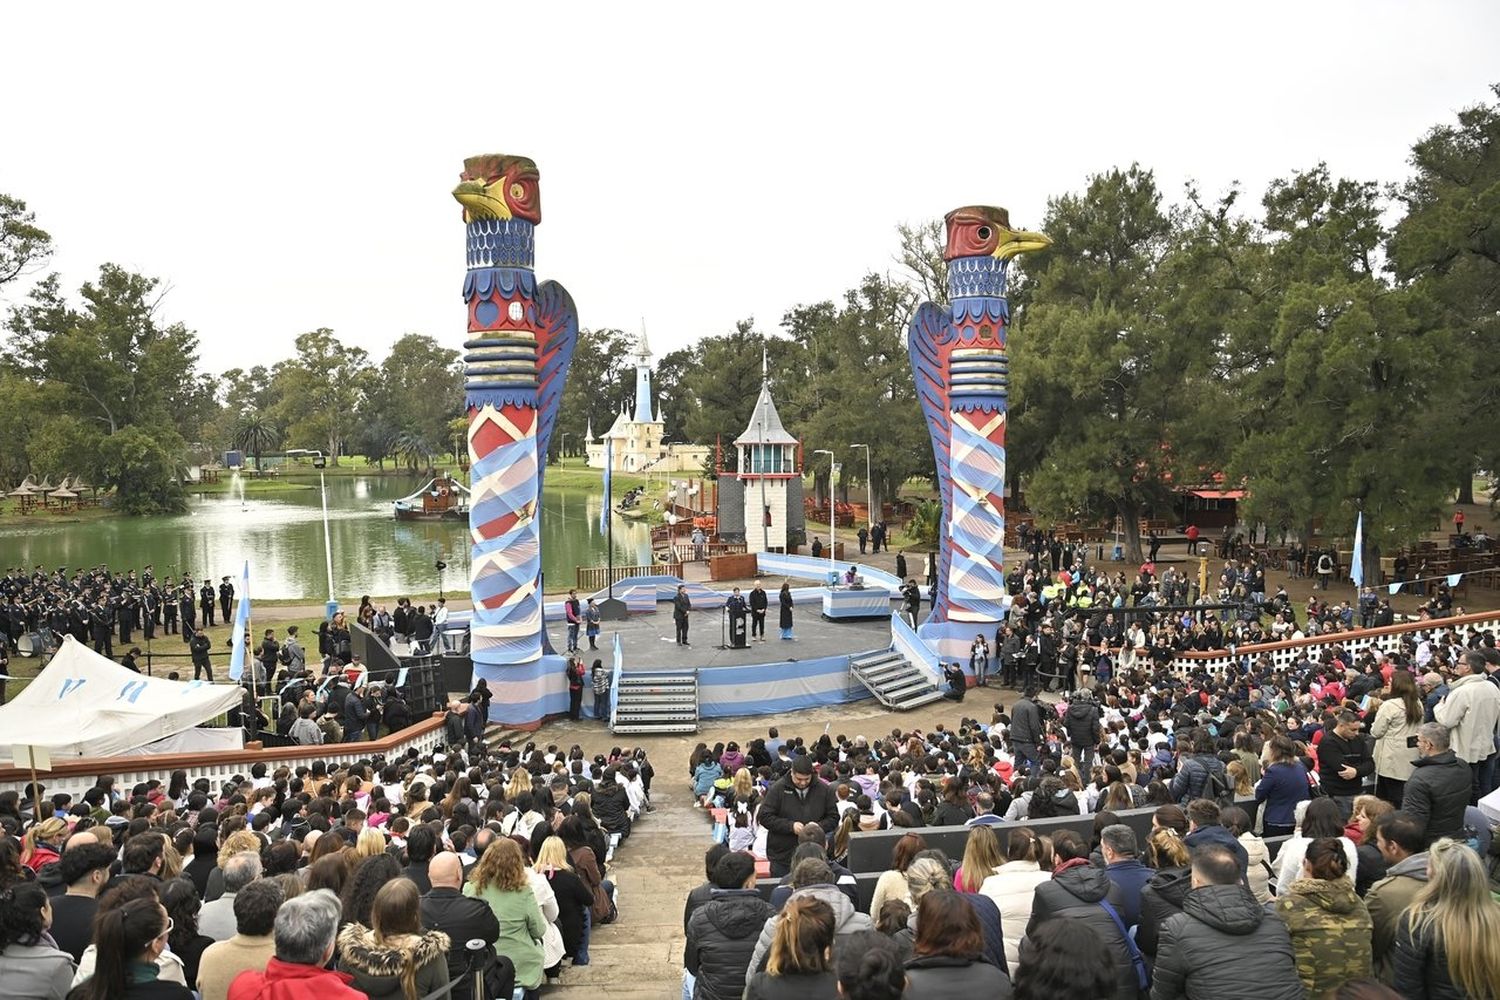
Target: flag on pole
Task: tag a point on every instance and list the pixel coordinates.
(614, 685)
(609, 460)
(1357, 564)
(239, 651)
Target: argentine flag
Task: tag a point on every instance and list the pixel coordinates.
(239, 653)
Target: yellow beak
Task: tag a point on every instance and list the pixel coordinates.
(1016, 242)
(479, 203)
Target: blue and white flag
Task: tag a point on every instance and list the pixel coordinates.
(1357, 565)
(614, 686)
(240, 652)
(609, 461)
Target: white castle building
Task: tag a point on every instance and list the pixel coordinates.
(636, 436)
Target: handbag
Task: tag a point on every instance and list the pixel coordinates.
(1142, 978)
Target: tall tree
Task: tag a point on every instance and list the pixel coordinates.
(1098, 412)
(322, 388)
(1349, 409)
(24, 246)
(418, 390)
(1449, 243)
(601, 380)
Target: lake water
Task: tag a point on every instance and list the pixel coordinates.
(281, 533)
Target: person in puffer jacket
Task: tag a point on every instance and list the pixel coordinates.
(722, 933)
(813, 877)
(1223, 945)
(1074, 893)
(1081, 721)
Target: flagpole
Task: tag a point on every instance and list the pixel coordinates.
(332, 605)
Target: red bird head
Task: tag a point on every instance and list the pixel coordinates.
(497, 186)
(984, 231)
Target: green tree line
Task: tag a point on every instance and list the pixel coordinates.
(1332, 348)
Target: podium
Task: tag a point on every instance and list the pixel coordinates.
(737, 631)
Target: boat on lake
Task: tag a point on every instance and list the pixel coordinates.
(443, 498)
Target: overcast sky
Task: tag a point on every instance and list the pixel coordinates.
(288, 166)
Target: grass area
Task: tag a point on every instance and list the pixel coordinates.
(10, 514)
(224, 486)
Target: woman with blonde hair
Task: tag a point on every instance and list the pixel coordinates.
(1168, 889)
(982, 858)
(500, 879)
(1239, 777)
(370, 843)
(236, 843)
(574, 899)
(42, 844)
(800, 962)
(1445, 942)
(743, 789)
(394, 959)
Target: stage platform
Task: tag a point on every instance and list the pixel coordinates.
(646, 641)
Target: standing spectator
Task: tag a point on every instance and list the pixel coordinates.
(1329, 924)
(251, 947)
(1471, 711)
(1259, 873)
(784, 603)
(1079, 892)
(30, 967)
(573, 612)
(1118, 845)
(1192, 778)
(1013, 886)
(1320, 818)
(394, 959)
(293, 656)
(1403, 844)
(1445, 944)
(1223, 945)
(722, 934)
(1166, 894)
(499, 879)
(1344, 761)
(1283, 785)
(1437, 792)
(1395, 733)
(602, 678)
(463, 919)
(796, 799)
(800, 963)
(574, 670)
(305, 929)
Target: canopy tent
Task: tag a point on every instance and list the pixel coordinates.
(86, 705)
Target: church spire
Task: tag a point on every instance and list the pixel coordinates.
(643, 379)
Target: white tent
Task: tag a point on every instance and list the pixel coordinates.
(86, 705)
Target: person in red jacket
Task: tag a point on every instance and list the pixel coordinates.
(306, 927)
(1192, 537)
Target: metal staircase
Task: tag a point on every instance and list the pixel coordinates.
(651, 702)
(894, 680)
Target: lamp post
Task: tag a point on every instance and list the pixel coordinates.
(869, 487)
(833, 470)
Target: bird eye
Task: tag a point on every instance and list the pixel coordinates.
(517, 190)
(984, 232)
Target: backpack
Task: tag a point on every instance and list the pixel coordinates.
(1218, 789)
(285, 656)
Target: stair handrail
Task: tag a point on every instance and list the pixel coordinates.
(904, 640)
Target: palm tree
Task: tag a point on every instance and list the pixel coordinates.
(411, 446)
(926, 521)
(256, 433)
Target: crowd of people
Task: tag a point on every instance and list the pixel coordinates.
(1314, 830)
(386, 878)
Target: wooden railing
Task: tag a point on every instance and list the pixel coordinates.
(595, 578)
(75, 776)
(689, 552)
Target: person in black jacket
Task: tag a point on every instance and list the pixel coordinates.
(445, 908)
(793, 800)
(758, 604)
(1026, 730)
(1223, 945)
(1082, 724)
(1345, 759)
(355, 715)
(722, 934)
(1437, 792)
(1075, 892)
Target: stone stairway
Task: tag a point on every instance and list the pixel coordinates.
(651, 702)
(894, 680)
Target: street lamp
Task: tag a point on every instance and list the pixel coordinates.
(833, 470)
(869, 486)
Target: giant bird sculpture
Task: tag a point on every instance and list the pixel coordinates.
(521, 340)
(958, 358)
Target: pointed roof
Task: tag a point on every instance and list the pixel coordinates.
(617, 429)
(643, 349)
(765, 423)
(588, 434)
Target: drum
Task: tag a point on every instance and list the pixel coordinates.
(31, 644)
